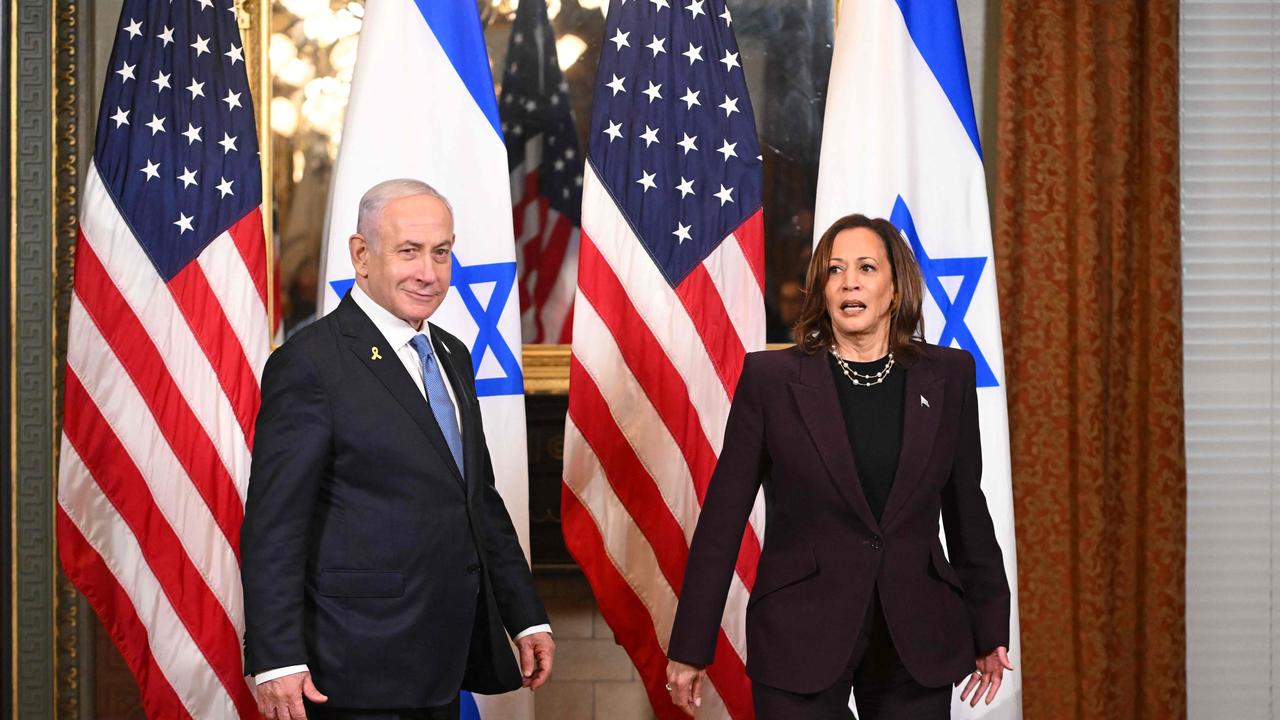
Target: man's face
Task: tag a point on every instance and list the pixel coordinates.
(406, 268)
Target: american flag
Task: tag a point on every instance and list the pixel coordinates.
(545, 162)
(670, 278)
(168, 336)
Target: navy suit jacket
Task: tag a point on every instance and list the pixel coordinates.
(365, 553)
(824, 552)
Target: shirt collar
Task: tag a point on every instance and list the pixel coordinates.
(396, 331)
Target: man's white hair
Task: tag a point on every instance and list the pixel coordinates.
(375, 199)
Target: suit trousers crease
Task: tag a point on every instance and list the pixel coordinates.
(880, 683)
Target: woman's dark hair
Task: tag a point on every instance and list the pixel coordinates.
(906, 326)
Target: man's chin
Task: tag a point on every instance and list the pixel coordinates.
(419, 313)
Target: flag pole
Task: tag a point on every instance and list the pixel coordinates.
(255, 19)
(264, 154)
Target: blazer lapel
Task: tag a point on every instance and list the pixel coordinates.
(464, 396)
(819, 406)
(920, 419)
(362, 338)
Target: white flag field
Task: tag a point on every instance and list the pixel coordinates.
(900, 141)
(422, 106)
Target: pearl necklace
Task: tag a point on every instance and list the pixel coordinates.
(861, 379)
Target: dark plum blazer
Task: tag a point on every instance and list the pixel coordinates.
(824, 551)
(366, 555)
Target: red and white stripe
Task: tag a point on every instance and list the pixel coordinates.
(651, 380)
(162, 389)
(547, 253)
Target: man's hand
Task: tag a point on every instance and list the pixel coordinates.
(684, 682)
(987, 678)
(281, 699)
(536, 653)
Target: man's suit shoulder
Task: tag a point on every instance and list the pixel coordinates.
(314, 346)
(324, 331)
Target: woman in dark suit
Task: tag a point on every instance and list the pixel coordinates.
(862, 435)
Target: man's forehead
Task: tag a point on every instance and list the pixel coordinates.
(410, 219)
(419, 203)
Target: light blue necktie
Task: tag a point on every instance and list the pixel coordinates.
(438, 398)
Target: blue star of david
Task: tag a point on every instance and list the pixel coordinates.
(954, 329)
(488, 336)
(503, 275)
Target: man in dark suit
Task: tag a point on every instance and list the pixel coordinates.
(381, 570)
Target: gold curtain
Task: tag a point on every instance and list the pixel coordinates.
(1087, 247)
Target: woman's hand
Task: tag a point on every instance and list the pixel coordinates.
(986, 678)
(684, 682)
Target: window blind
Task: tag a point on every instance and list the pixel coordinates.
(1230, 155)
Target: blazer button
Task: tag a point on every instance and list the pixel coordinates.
(473, 568)
(876, 542)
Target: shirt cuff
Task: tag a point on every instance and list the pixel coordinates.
(270, 675)
(533, 630)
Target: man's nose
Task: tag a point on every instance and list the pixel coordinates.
(424, 270)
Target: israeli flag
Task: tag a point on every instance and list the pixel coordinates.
(422, 106)
(900, 140)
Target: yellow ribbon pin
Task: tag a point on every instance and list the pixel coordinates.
(376, 354)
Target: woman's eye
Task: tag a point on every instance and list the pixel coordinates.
(835, 269)
(868, 268)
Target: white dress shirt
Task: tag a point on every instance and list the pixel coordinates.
(398, 333)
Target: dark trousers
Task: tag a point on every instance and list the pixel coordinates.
(883, 688)
(443, 712)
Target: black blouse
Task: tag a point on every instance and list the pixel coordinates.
(873, 419)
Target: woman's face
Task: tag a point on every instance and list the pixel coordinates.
(860, 288)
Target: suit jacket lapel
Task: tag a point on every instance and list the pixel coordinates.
(362, 337)
(464, 395)
(819, 406)
(921, 415)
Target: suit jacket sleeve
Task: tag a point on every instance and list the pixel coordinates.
(291, 452)
(714, 551)
(508, 569)
(971, 539)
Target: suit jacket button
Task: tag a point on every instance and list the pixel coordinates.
(473, 568)
(876, 542)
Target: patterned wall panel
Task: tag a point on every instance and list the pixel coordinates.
(33, 358)
(6, 416)
(43, 175)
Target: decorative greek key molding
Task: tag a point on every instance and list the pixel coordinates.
(34, 361)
